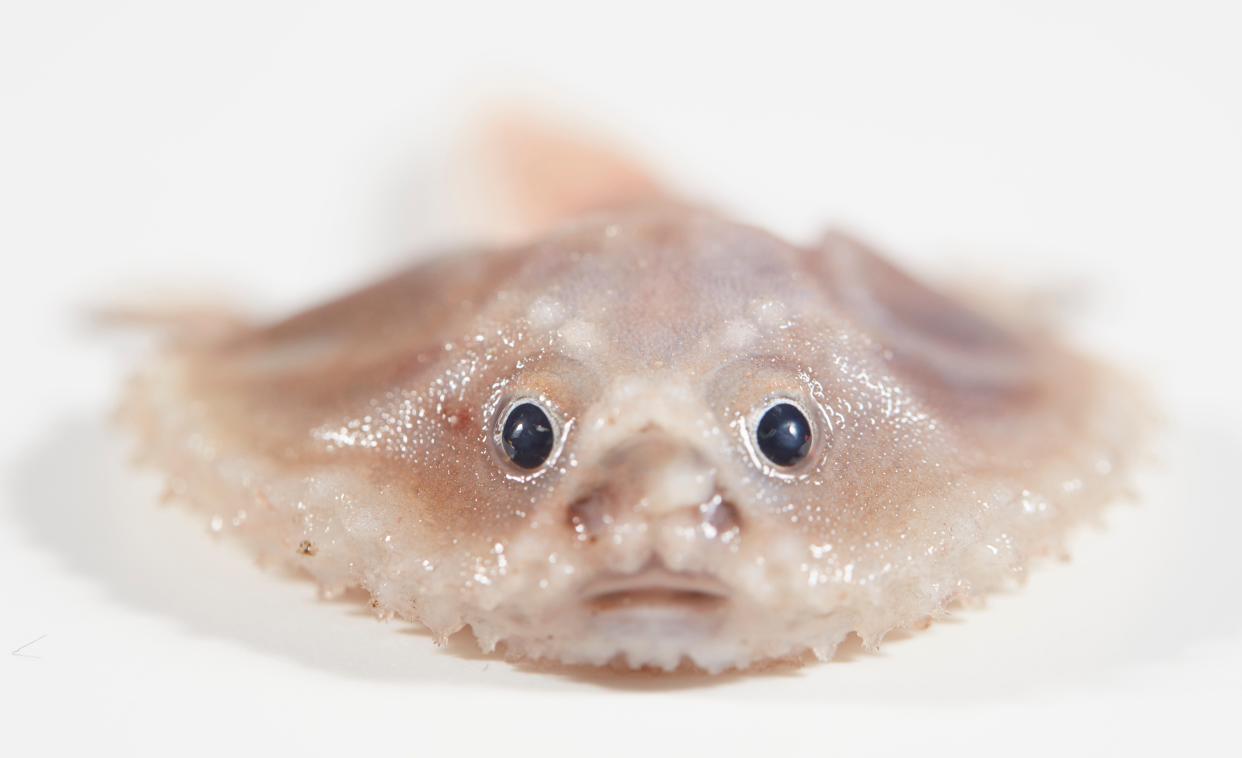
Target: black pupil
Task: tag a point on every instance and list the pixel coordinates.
(527, 436)
(784, 434)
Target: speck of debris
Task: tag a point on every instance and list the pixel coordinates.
(306, 547)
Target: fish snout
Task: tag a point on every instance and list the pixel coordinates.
(652, 480)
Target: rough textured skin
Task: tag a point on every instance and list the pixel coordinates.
(359, 441)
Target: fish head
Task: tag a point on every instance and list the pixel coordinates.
(656, 365)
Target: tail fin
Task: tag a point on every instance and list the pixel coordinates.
(538, 173)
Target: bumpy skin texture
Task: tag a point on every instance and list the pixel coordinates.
(359, 441)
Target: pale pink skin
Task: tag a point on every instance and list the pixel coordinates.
(358, 441)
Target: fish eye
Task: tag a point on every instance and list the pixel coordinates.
(527, 435)
(783, 434)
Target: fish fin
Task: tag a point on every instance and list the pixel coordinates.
(947, 345)
(538, 172)
(179, 319)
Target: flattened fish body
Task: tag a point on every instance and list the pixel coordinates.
(364, 441)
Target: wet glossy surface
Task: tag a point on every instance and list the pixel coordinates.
(476, 439)
(527, 436)
(783, 434)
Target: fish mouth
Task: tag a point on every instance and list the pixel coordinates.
(655, 588)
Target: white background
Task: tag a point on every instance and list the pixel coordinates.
(281, 152)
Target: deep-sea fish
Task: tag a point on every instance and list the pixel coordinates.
(649, 435)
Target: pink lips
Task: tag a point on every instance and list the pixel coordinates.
(655, 586)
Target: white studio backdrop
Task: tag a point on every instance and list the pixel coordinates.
(273, 153)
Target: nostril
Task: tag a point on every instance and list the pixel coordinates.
(720, 519)
(598, 512)
(589, 515)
